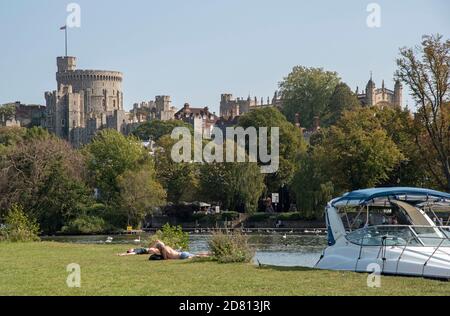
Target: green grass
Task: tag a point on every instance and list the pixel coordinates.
(40, 269)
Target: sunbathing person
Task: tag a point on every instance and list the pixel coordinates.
(159, 249)
(141, 251)
(169, 253)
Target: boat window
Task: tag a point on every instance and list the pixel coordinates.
(384, 235)
(432, 236)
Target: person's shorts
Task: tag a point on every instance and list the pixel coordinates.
(141, 251)
(185, 255)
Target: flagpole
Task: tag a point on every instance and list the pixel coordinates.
(65, 30)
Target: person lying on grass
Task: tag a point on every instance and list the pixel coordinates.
(165, 252)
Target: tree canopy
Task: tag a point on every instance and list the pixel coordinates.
(291, 143)
(425, 69)
(307, 91)
(155, 129)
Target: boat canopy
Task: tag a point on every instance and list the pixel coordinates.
(382, 196)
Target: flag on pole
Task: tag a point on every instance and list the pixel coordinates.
(63, 27)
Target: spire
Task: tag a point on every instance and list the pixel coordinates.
(370, 84)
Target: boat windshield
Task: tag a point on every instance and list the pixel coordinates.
(388, 235)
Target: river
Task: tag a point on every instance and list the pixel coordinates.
(272, 249)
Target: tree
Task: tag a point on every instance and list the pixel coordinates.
(180, 180)
(109, 155)
(46, 176)
(357, 152)
(237, 185)
(155, 129)
(291, 143)
(307, 91)
(425, 69)
(7, 112)
(402, 129)
(140, 192)
(311, 185)
(342, 99)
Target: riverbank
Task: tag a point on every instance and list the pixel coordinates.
(40, 269)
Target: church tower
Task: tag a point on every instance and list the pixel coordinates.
(370, 92)
(398, 93)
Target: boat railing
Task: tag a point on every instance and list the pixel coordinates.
(443, 230)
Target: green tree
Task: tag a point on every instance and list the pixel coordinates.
(342, 99)
(155, 129)
(180, 180)
(7, 112)
(46, 176)
(238, 186)
(19, 226)
(291, 143)
(402, 129)
(109, 155)
(425, 69)
(311, 185)
(140, 192)
(307, 91)
(359, 152)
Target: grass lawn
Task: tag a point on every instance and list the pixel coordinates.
(40, 269)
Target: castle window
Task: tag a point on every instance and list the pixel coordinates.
(63, 122)
(114, 103)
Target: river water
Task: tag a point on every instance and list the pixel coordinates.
(272, 249)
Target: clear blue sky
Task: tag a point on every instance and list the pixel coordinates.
(194, 50)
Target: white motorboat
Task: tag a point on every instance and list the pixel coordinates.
(389, 228)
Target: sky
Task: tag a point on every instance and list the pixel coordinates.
(195, 50)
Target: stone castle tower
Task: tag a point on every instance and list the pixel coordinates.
(381, 97)
(231, 107)
(85, 101)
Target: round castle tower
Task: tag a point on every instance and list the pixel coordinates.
(85, 101)
(102, 89)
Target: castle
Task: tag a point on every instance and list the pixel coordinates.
(84, 102)
(87, 101)
(231, 107)
(159, 109)
(381, 97)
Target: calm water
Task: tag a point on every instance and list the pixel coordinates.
(273, 249)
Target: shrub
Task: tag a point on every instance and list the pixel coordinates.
(230, 216)
(18, 226)
(172, 236)
(230, 247)
(260, 217)
(291, 216)
(85, 224)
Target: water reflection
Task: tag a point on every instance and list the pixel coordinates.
(273, 249)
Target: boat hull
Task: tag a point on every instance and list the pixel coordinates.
(431, 262)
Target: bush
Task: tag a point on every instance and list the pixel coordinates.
(292, 216)
(260, 217)
(18, 226)
(172, 236)
(230, 247)
(86, 225)
(230, 216)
